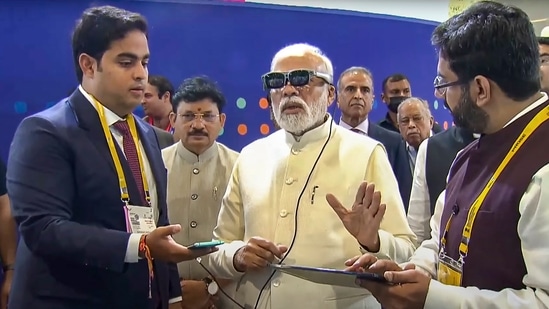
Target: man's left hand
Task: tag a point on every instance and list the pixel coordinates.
(407, 289)
(6, 288)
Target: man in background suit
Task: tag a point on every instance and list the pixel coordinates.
(157, 102)
(78, 176)
(394, 90)
(355, 99)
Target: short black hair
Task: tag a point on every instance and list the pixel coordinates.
(162, 84)
(543, 40)
(393, 78)
(98, 28)
(496, 41)
(196, 89)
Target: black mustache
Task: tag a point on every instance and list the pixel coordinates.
(198, 133)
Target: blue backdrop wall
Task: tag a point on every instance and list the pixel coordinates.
(231, 42)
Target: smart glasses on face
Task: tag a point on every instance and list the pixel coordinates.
(296, 78)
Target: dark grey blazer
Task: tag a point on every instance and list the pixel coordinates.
(165, 139)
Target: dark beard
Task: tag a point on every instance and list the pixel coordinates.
(467, 114)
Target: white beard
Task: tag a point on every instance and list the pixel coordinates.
(311, 115)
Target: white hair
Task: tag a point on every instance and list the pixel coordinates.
(424, 104)
(299, 123)
(302, 49)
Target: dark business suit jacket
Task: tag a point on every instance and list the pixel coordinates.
(398, 158)
(66, 200)
(165, 139)
(441, 152)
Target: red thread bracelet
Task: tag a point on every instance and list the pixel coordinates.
(144, 250)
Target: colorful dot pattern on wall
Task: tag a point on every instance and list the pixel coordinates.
(265, 128)
(243, 129)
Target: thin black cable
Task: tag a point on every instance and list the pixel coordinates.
(293, 236)
(296, 214)
(199, 260)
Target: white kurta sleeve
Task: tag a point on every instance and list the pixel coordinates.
(419, 208)
(533, 228)
(397, 241)
(230, 229)
(426, 256)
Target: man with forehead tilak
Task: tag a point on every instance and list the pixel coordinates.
(280, 201)
(489, 246)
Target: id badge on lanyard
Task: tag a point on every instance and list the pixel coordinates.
(139, 219)
(449, 270)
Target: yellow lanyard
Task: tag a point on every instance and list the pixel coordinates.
(539, 119)
(114, 154)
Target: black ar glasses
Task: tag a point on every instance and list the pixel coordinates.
(296, 78)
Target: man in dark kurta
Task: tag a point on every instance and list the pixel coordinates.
(488, 75)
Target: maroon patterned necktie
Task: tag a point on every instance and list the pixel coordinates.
(130, 149)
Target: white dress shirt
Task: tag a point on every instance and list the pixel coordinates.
(419, 210)
(132, 251)
(362, 127)
(419, 207)
(533, 228)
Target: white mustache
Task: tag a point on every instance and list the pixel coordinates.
(292, 102)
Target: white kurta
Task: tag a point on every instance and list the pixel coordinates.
(261, 200)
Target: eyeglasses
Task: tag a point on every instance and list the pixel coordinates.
(188, 117)
(296, 78)
(441, 85)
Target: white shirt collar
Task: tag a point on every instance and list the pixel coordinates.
(110, 116)
(363, 126)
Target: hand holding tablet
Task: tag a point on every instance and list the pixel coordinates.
(328, 276)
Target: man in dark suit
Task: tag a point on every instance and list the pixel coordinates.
(79, 176)
(394, 90)
(355, 98)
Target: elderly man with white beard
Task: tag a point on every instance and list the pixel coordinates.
(309, 195)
